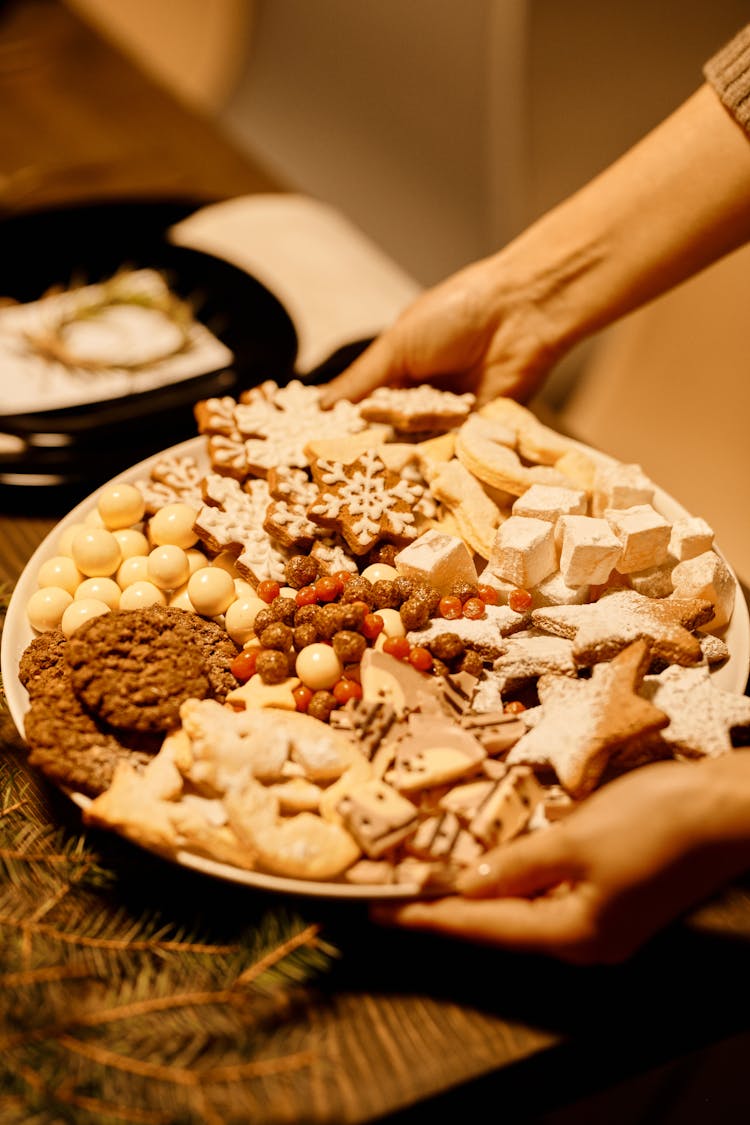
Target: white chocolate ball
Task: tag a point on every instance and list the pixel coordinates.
(138, 595)
(239, 621)
(132, 542)
(318, 666)
(45, 607)
(134, 569)
(287, 592)
(196, 559)
(173, 524)
(101, 589)
(93, 519)
(60, 571)
(168, 567)
(65, 542)
(393, 626)
(378, 572)
(180, 599)
(120, 505)
(96, 552)
(81, 611)
(243, 589)
(211, 591)
(225, 560)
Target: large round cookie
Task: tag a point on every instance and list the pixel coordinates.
(133, 669)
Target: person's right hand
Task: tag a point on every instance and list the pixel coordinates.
(472, 332)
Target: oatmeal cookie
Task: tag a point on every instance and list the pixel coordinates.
(134, 670)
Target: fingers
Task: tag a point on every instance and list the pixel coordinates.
(522, 867)
(557, 925)
(374, 367)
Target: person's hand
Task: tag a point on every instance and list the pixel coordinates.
(473, 332)
(594, 886)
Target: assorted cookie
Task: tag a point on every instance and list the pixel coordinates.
(367, 644)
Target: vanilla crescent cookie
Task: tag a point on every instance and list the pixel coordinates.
(482, 445)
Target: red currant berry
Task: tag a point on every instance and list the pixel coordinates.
(307, 595)
(344, 690)
(421, 658)
(489, 595)
(520, 600)
(267, 590)
(372, 626)
(343, 576)
(398, 647)
(328, 588)
(514, 707)
(474, 608)
(243, 665)
(302, 696)
(450, 607)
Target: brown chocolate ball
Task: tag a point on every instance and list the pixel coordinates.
(277, 635)
(283, 609)
(414, 613)
(349, 646)
(305, 635)
(272, 666)
(447, 647)
(321, 705)
(301, 570)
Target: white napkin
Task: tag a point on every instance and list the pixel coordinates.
(336, 284)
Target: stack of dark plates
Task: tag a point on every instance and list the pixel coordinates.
(48, 454)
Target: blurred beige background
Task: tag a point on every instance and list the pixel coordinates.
(443, 128)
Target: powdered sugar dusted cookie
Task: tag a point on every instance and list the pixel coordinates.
(601, 629)
(584, 721)
(364, 502)
(527, 658)
(412, 410)
(702, 717)
(484, 635)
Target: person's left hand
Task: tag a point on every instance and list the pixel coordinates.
(594, 886)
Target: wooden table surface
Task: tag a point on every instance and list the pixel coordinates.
(393, 1021)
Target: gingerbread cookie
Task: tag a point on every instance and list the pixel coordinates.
(173, 480)
(414, 410)
(232, 520)
(702, 717)
(584, 721)
(286, 521)
(364, 502)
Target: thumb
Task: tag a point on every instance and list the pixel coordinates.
(524, 866)
(377, 365)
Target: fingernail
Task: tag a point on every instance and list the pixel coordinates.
(474, 880)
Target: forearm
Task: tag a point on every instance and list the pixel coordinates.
(673, 204)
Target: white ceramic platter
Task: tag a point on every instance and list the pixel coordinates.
(17, 634)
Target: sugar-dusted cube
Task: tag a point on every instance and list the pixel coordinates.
(524, 551)
(690, 536)
(549, 502)
(437, 558)
(707, 576)
(589, 550)
(555, 591)
(620, 486)
(654, 581)
(644, 535)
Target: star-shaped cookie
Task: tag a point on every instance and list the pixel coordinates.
(702, 715)
(601, 629)
(584, 721)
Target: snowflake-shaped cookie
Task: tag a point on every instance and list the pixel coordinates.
(277, 422)
(173, 479)
(364, 501)
(420, 409)
(232, 520)
(286, 519)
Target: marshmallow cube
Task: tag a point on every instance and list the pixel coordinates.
(691, 536)
(707, 576)
(555, 591)
(547, 502)
(523, 551)
(437, 558)
(644, 536)
(620, 486)
(589, 550)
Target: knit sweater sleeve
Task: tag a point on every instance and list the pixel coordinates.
(728, 71)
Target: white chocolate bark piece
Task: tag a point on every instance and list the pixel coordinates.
(589, 550)
(644, 535)
(523, 551)
(620, 486)
(385, 679)
(690, 536)
(707, 576)
(545, 502)
(507, 808)
(437, 558)
(433, 751)
(377, 816)
(464, 801)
